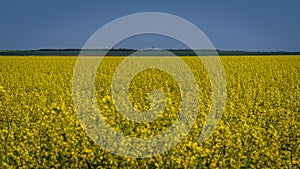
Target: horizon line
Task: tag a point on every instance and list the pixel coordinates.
(158, 49)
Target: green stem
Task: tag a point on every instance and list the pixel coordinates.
(6, 137)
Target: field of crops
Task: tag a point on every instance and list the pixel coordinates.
(260, 126)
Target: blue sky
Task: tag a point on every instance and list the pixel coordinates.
(266, 25)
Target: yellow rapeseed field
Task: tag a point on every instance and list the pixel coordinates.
(260, 126)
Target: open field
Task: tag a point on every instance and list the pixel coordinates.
(260, 127)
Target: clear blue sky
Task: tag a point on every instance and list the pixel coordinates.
(230, 24)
